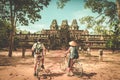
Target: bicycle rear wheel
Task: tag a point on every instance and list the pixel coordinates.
(38, 74)
(47, 74)
(78, 69)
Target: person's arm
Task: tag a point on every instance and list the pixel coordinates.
(67, 51)
(33, 47)
(44, 49)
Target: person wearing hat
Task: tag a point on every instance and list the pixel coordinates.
(73, 54)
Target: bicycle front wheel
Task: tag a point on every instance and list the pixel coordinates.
(78, 69)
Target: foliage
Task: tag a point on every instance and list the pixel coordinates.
(5, 29)
(99, 26)
(113, 44)
(4, 33)
(61, 3)
(16, 43)
(103, 7)
(115, 40)
(107, 9)
(22, 12)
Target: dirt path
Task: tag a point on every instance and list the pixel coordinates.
(17, 68)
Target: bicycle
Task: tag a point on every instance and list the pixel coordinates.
(77, 66)
(42, 72)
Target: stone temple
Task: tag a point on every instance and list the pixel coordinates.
(58, 37)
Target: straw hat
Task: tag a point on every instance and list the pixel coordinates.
(72, 43)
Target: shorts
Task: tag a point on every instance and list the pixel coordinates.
(35, 57)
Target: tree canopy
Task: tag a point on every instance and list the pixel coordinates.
(109, 17)
(103, 7)
(4, 33)
(22, 12)
(61, 3)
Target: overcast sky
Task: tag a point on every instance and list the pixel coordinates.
(74, 9)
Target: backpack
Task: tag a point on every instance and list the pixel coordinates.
(38, 48)
(76, 55)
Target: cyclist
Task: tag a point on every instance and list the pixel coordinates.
(73, 54)
(39, 50)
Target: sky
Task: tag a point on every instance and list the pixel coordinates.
(74, 9)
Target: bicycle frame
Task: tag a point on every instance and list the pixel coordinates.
(77, 66)
(38, 69)
(42, 72)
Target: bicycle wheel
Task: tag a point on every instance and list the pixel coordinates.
(38, 78)
(38, 69)
(78, 69)
(38, 74)
(63, 64)
(48, 74)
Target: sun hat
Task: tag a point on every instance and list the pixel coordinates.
(72, 43)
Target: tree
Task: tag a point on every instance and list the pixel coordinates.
(112, 11)
(103, 8)
(99, 26)
(115, 40)
(61, 3)
(22, 12)
(118, 7)
(107, 10)
(4, 33)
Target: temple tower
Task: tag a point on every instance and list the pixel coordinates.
(64, 24)
(54, 25)
(64, 34)
(74, 25)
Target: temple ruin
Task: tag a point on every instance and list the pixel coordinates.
(59, 36)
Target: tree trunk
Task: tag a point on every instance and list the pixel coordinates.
(11, 44)
(23, 51)
(118, 7)
(12, 33)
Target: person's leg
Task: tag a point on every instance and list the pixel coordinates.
(42, 62)
(71, 67)
(35, 64)
(68, 69)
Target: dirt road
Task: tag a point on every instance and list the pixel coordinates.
(17, 68)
